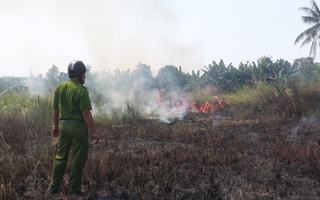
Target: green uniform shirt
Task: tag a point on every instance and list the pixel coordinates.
(71, 98)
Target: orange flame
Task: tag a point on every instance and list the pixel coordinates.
(194, 106)
(206, 107)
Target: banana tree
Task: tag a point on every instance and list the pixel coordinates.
(194, 80)
(284, 71)
(215, 74)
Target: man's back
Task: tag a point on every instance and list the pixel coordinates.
(70, 99)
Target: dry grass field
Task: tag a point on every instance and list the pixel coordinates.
(199, 157)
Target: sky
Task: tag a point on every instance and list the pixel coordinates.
(119, 34)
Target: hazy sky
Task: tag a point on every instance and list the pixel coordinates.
(111, 34)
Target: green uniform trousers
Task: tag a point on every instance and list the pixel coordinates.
(72, 136)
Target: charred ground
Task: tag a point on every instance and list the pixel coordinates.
(200, 157)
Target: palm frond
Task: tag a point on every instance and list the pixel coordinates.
(315, 7)
(309, 11)
(310, 32)
(313, 49)
(300, 37)
(310, 20)
(306, 41)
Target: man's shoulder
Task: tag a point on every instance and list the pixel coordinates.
(80, 88)
(64, 83)
(73, 86)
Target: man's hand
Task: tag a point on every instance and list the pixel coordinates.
(55, 132)
(87, 116)
(96, 138)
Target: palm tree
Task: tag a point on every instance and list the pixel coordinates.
(312, 34)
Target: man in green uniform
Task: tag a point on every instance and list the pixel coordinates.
(72, 117)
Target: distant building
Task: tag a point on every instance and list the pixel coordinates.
(17, 84)
(24, 81)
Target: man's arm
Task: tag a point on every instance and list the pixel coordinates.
(55, 130)
(89, 120)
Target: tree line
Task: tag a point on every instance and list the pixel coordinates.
(226, 78)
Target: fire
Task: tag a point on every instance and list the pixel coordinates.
(206, 107)
(193, 106)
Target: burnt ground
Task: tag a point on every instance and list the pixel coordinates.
(199, 157)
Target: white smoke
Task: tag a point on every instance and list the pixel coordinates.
(116, 92)
(307, 126)
(36, 86)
